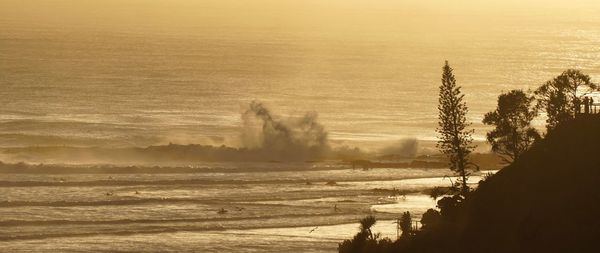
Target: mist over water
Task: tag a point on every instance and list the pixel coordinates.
(295, 139)
(405, 148)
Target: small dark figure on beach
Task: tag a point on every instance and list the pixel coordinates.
(592, 108)
(586, 105)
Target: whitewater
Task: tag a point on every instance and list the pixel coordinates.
(263, 208)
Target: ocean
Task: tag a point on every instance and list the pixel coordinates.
(114, 73)
(258, 207)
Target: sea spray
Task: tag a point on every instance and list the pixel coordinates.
(295, 139)
(404, 148)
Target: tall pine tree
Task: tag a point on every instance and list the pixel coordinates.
(455, 140)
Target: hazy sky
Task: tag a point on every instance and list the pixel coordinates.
(120, 14)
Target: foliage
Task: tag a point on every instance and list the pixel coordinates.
(430, 219)
(451, 207)
(513, 133)
(559, 96)
(437, 192)
(455, 140)
(366, 224)
(406, 224)
(365, 240)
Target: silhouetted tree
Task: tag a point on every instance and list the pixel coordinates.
(430, 219)
(437, 192)
(366, 224)
(361, 240)
(405, 224)
(559, 96)
(455, 140)
(365, 241)
(450, 207)
(513, 133)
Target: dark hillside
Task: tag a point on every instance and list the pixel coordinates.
(547, 201)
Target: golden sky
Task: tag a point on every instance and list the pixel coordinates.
(184, 13)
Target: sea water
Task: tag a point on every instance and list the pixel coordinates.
(238, 211)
